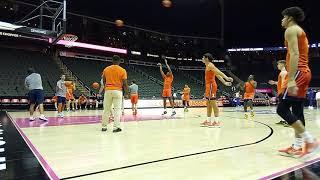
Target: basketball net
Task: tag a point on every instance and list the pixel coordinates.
(71, 38)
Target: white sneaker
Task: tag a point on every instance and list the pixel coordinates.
(31, 118)
(43, 118)
(60, 115)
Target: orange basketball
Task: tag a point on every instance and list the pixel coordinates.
(166, 3)
(119, 23)
(95, 85)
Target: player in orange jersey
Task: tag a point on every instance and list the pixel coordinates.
(211, 72)
(249, 91)
(281, 65)
(186, 97)
(167, 87)
(296, 85)
(114, 83)
(71, 87)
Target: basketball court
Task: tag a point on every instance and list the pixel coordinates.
(152, 146)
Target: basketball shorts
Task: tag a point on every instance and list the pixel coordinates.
(166, 93)
(61, 100)
(211, 91)
(302, 80)
(36, 96)
(134, 98)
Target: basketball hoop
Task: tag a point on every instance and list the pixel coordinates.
(71, 38)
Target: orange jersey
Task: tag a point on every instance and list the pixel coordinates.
(280, 83)
(303, 45)
(186, 94)
(114, 76)
(249, 90)
(211, 84)
(303, 76)
(70, 88)
(210, 77)
(167, 84)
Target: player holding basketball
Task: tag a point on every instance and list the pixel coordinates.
(133, 89)
(186, 97)
(211, 72)
(114, 82)
(167, 87)
(249, 91)
(281, 65)
(33, 83)
(296, 85)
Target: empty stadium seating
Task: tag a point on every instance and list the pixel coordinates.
(89, 71)
(14, 67)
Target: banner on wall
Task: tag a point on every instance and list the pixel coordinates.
(264, 90)
(158, 103)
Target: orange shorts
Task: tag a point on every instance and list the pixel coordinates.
(134, 98)
(166, 93)
(302, 80)
(211, 91)
(248, 96)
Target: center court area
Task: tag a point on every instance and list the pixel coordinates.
(152, 146)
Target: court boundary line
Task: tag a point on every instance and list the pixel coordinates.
(290, 169)
(45, 165)
(177, 157)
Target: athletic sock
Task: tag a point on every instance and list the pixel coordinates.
(298, 142)
(217, 119)
(307, 137)
(209, 119)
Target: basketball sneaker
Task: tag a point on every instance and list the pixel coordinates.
(290, 152)
(117, 130)
(285, 124)
(43, 118)
(214, 124)
(205, 123)
(164, 113)
(252, 114)
(280, 123)
(60, 115)
(173, 113)
(218, 124)
(310, 150)
(211, 124)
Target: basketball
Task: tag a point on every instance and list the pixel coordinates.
(166, 3)
(95, 85)
(119, 23)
